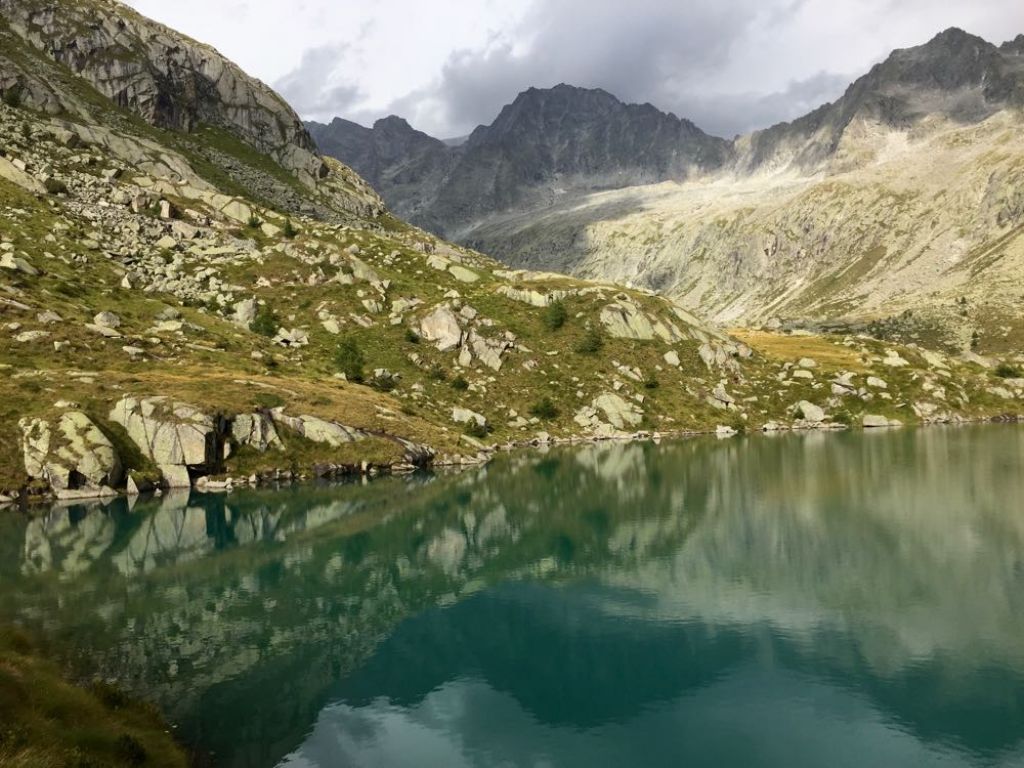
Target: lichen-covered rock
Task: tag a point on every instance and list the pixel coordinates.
(175, 436)
(442, 328)
(620, 413)
(257, 431)
(811, 413)
(74, 456)
(318, 430)
(466, 416)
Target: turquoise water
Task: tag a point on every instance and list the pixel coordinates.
(801, 600)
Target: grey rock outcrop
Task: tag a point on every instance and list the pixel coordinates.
(442, 328)
(177, 437)
(75, 457)
(256, 431)
(318, 430)
(164, 77)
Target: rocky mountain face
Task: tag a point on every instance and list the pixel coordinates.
(548, 143)
(162, 76)
(410, 165)
(901, 197)
(956, 76)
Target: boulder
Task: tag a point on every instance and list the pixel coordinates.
(462, 274)
(244, 312)
(293, 339)
(465, 416)
(488, 351)
(76, 456)
(318, 430)
(879, 422)
(620, 413)
(14, 263)
(257, 431)
(107, 320)
(441, 327)
(624, 320)
(171, 434)
(811, 413)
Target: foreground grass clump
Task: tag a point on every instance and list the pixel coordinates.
(45, 721)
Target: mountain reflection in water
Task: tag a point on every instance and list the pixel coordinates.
(852, 599)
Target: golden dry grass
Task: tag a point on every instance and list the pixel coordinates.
(782, 347)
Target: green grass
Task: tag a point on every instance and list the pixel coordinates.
(46, 722)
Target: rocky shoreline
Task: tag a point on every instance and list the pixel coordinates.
(429, 461)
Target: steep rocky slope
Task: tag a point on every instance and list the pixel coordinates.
(924, 238)
(546, 144)
(179, 306)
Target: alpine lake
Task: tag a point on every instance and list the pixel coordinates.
(852, 599)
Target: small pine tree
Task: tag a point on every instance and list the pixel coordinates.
(289, 230)
(349, 360)
(13, 96)
(459, 383)
(544, 409)
(591, 343)
(1007, 371)
(555, 315)
(266, 322)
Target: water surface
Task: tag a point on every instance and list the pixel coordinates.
(801, 600)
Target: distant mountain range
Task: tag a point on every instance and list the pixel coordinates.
(863, 208)
(544, 144)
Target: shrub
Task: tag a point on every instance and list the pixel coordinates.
(460, 383)
(289, 230)
(254, 222)
(652, 382)
(843, 417)
(475, 429)
(437, 373)
(266, 322)
(13, 96)
(1007, 371)
(544, 409)
(55, 186)
(385, 382)
(555, 315)
(268, 400)
(591, 343)
(411, 336)
(349, 360)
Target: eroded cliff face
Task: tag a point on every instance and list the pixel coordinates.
(164, 77)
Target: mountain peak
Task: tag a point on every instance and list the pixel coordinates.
(393, 122)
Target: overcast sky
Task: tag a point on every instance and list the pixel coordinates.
(449, 65)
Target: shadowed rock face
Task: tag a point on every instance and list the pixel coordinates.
(164, 77)
(546, 143)
(392, 155)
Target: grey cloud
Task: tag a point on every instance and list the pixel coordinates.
(305, 88)
(729, 114)
(722, 64)
(650, 53)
